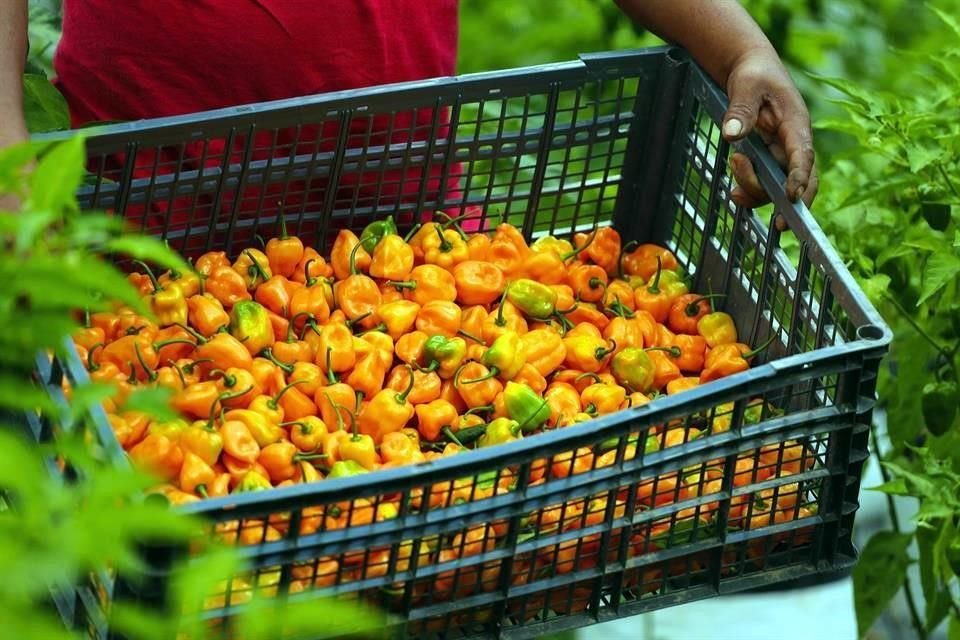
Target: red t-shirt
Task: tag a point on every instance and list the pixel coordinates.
(143, 59)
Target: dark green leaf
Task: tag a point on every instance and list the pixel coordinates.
(953, 629)
(936, 597)
(44, 108)
(879, 575)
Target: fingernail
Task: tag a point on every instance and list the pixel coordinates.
(732, 128)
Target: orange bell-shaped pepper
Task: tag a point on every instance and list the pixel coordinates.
(686, 311)
(387, 412)
(223, 351)
(545, 267)
(439, 317)
(409, 347)
(426, 384)
(625, 332)
(345, 257)
(158, 455)
(368, 376)
(359, 298)
(505, 318)
(665, 367)
(398, 317)
(227, 286)
(336, 403)
(654, 299)
(482, 389)
(505, 256)
(195, 474)
(588, 281)
(428, 282)
(478, 246)
(253, 267)
(433, 416)
(311, 268)
(619, 297)
(564, 402)
(284, 253)
(602, 248)
(545, 350)
(392, 259)
(471, 323)
(335, 350)
(308, 302)
(645, 260)
(478, 283)
(210, 261)
(206, 314)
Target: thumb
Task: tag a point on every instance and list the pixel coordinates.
(742, 114)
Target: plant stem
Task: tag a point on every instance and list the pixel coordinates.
(920, 330)
(894, 520)
(946, 178)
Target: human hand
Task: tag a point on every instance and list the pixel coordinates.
(764, 98)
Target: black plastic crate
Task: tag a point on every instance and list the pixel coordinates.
(629, 139)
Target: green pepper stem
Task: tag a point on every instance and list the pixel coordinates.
(259, 239)
(153, 278)
(596, 283)
(151, 374)
(596, 379)
(86, 318)
(410, 234)
(448, 432)
(750, 354)
(401, 398)
(179, 371)
(380, 327)
(193, 332)
(358, 319)
(189, 367)
(625, 249)
(308, 280)
(469, 336)
(258, 271)
(280, 393)
(293, 321)
(164, 343)
(283, 225)
(445, 246)
(300, 457)
(309, 325)
(501, 321)
(331, 376)
(674, 351)
(201, 490)
(353, 258)
(493, 373)
(268, 354)
(91, 365)
(603, 352)
(228, 380)
(480, 409)
(454, 222)
(573, 254)
(403, 284)
(654, 287)
(226, 395)
(693, 308)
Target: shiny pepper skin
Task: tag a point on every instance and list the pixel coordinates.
(444, 248)
(392, 259)
(717, 328)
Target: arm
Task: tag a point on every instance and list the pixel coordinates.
(731, 47)
(13, 50)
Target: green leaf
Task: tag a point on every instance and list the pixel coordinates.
(878, 575)
(154, 401)
(949, 20)
(151, 250)
(936, 597)
(953, 628)
(59, 173)
(21, 394)
(876, 287)
(44, 108)
(920, 157)
(941, 268)
(896, 487)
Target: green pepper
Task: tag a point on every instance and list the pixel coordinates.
(534, 299)
(445, 354)
(632, 367)
(374, 232)
(525, 406)
(250, 324)
(345, 469)
(500, 431)
(939, 405)
(673, 284)
(252, 481)
(465, 436)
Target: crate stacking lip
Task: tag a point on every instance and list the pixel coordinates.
(629, 139)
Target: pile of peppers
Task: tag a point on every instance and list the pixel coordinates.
(287, 366)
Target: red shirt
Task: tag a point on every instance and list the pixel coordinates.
(143, 58)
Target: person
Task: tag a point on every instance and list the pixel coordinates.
(138, 59)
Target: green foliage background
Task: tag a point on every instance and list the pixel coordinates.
(882, 80)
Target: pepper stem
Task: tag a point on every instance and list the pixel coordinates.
(268, 354)
(352, 321)
(674, 350)
(451, 436)
(151, 374)
(469, 336)
(226, 395)
(493, 373)
(501, 321)
(401, 398)
(228, 380)
(331, 376)
(603, 352)
(412, 232)
(380, 327)
(280, 393)
(164, 343)
(307, 279)
(454, 222)
(590, 375)
(179, 371)
(193, 332)
(291, 334)
(353, 258)
(91, 365)
(153, 278)
(693, 308)
(403, 284)
(445, 246)
(480, 409)
(654, 287)
(283, 226)
(627, 248)
(750, 354)
(573, 254)
(255, 269)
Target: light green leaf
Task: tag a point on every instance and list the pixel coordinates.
(953, 628)
(896, 487)
(940, 270)
(876, 287)
(948, 19)
(936, 597)
(151, 250)
(44, 108)
(878, 575)
(58, 174)
(21, 394)
(920, 157)
(154, 401)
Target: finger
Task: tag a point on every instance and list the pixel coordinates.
(749, 192)
(741, 115)
(813, 186)
(798, 143)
